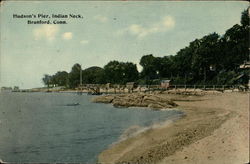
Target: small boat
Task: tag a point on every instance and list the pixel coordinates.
(73, 104)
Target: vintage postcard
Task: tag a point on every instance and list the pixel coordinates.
(124, 82)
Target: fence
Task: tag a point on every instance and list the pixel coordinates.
(114, 89)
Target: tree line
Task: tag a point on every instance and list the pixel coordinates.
(212, 59)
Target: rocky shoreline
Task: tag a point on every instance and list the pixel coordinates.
(150, 101)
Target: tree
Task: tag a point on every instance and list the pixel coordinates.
(235, 44)
(245, 18)
(150, 66)
(74, 76)
(130, 72)
(120, 72)
(60, 78)
(93, 75)
(204, 56)
(166, 67)
(47, 80)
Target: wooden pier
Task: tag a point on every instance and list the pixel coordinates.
(97, 89)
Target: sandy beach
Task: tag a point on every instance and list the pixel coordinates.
(215, 129)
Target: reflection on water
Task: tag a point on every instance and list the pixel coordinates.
(42, 127)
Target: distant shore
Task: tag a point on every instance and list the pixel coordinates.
(211, 122)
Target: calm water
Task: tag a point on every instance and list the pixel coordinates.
(40, 127)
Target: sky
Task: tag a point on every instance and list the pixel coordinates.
(122, 30)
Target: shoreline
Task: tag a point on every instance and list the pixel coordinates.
(157, 145)
(135, 130)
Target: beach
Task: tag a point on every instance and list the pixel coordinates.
(215, 129)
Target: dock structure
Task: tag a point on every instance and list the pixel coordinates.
(97, 89)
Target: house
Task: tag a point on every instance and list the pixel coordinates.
(165, 84)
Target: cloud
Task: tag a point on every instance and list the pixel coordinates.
(84, 42)
(67, 35)
(47, 32)
(139, 31)
(168, 22)
(101, 18)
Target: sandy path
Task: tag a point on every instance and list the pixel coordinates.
(197, 138)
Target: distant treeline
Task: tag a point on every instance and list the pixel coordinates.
(212, 59)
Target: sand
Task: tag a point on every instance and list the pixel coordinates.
(215, 130)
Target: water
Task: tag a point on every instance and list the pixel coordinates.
(40, 127)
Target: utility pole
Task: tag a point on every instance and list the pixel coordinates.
(80, 75)
(185, 78)
(81, 78)
(205, 75)
(80, 85)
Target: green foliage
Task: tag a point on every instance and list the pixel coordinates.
(60, 78)
(47, 80)
(74, 76)
(234, 46)
(151, 67)
(245, 18)
(166, 67)
(226, 78)
(93, 75)
(120, 72)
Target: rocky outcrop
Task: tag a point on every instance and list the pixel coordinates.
(103, 99)
(136, 100)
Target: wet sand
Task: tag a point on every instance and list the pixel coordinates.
(214, 130)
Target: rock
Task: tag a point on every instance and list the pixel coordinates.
(155, 106)
(136, 100)
(103, 99)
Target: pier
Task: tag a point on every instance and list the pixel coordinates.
(97, 89)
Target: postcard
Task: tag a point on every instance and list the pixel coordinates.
(132, 82)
